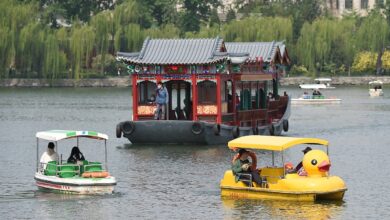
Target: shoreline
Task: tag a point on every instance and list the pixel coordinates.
(125, 81)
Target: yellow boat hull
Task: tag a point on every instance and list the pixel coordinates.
(292, 187)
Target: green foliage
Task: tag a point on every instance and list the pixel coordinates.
(194, 12)
(299, 71)
(365, 62)
(32, 44)
(230, 16)
(109, 65)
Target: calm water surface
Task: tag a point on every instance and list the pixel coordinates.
(182, 182)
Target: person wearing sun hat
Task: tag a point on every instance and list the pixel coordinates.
(299, 166)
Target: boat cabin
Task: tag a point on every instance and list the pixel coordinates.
(209, 80)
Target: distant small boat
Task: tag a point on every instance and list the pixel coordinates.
(316, 97)
(323, 83)
(375, 88)
(326, 82)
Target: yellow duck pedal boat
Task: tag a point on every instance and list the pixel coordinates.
(277, 183)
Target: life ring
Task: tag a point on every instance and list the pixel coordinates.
(236, 131)
(128, 127)
(101, 174)
(119, 130)
(217, 129)
(255, 130)
(197, 128)
(271, 129)
(285, 125)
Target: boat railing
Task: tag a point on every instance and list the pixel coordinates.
(247, 179)
(62, 169)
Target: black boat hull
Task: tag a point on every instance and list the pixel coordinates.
(190, 132)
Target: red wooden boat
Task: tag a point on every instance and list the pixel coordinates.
(217, 91)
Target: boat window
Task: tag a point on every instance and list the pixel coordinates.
(146, 90)
(206, 92)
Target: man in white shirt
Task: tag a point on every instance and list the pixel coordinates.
(48, 155)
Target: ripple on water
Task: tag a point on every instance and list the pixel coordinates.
(182, 182)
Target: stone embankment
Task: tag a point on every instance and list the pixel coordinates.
(126, 81)
(106, 82)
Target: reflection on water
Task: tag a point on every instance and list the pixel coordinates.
(182, 182)
(238, 209)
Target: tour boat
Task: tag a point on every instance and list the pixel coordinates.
(310, 97)
(217, 91)
(375, 88)
(277, 183)
(62, 177)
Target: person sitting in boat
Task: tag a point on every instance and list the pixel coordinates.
(241, 165)
(48, 155)
(299, 168)
(76, 156)
(161, 101)
(316, 92)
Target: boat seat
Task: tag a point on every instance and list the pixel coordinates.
(51, 168)
(272, 174)
(93, 167)
(67, 170)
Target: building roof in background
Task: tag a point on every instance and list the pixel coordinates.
(177, 51)
(265, 50)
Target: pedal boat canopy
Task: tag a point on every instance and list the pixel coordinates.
(57, 135)
(272, 143)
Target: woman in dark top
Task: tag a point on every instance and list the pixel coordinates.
(75, 155)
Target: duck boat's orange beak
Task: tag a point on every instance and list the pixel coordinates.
(324, 166)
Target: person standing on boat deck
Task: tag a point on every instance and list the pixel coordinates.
(161, 101)
(76, 156)
(241, 165)
(48, 155)
(299, 167)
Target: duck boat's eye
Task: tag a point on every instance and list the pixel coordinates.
(314, 162)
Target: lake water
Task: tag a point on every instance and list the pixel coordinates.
(182, 182)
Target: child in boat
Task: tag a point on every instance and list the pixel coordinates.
(241, 165)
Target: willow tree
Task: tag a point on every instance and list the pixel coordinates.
(126, 13)
(81, 46)
(258, 29)
(31, 49)
(102, 25)
(166, 31)
(326, 42)
(54, 59)
(373, 35)
(14, 15)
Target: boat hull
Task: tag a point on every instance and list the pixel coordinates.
(266, 194)
(375, 93)
(80, 186)
(292, 187)
(182, 132)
